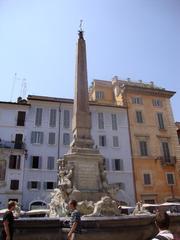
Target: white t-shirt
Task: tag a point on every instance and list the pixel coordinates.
(165, 233)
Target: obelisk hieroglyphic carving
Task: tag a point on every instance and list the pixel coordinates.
(81, 124)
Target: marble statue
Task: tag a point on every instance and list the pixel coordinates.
(139, 210)
(65, 180)
(105, 207)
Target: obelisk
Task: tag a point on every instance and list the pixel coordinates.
(85, 159)
(81, 124)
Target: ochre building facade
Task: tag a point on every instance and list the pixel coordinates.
(153, 134)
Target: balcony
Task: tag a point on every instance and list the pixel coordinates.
(11, 144)
(171, 160)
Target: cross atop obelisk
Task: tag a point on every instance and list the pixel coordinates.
(80, 25)
(81, 124)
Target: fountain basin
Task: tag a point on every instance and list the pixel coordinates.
(140, 227)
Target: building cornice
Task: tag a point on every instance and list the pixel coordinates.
(148, 91)
(68, 100)
(49, 99)
(102, 82)
(15, 103)
(94, 103)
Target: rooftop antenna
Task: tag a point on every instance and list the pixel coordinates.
(13, 85)
(23, 88)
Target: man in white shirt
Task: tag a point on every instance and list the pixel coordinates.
(162, 222)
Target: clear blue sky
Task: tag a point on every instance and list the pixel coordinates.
(139, 39)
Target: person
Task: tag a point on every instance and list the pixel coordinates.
(75, 221)
(8, 222)
(162, 221)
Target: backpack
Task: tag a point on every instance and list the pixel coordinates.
(161, 237)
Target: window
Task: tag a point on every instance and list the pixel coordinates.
(114, 121)
(2, 170)
(143, 148)
(14, 161)
(21, 118)
(50, 163)
(178, 134)
(115, 141)
(66, 119)
(14, 185)
(150, 201)
(35, 162)
(157, 103)
(36, 137)
(49, 185)
(147, 179)
(102, 141)
(13, 199)
(106, 164)
(18, 141)
(137, 100)
(139, 117)
(34, 185)
(117, 165)
(66, 138)
(122, 186)
(52, 120)
(166, 152)
(51, 138)
(160, 120)
(170, 178)
(99, 95)
(100, 121)
(38, 120)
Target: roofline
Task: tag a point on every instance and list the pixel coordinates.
(136, 85)
(150, 90)
(49, 99)
(68, 100)
(105, 82)
(15, 103)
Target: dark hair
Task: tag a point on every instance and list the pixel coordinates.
(162, 220)
(73, 202)
(11, 204)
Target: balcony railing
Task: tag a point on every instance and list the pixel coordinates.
(11, 145)
(171, 160)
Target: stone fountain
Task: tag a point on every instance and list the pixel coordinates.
(81, 171)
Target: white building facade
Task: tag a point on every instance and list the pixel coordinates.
(111, 135)
(48, 139)
(12, 151)
(47, 136)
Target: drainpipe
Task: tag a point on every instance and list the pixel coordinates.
(132, 160)
(59, 132)
(172, 192)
